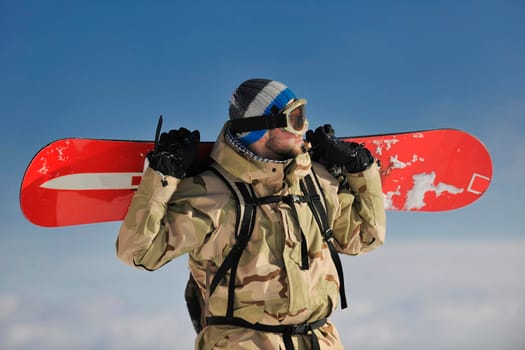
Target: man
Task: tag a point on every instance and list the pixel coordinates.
(276, 289)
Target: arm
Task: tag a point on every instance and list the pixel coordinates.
(357, 201)
(161, 222)
(160, 225)
(361, 225)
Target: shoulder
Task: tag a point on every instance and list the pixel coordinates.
(205, 184)
(326, 180)
(329, 187)
(205, 196)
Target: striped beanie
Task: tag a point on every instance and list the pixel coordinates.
(256, 97)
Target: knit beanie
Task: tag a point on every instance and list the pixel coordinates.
(257, 97)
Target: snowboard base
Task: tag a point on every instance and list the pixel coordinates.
(80, 181)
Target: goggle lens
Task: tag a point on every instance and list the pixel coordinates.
(296, 117)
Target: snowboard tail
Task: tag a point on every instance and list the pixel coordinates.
(80, 181)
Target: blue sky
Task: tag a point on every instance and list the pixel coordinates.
(107, 69)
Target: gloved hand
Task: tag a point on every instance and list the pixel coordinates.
(330, 152)
(174, 152)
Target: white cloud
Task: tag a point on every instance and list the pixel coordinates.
(447, 295)
(8, 305)
(444, 295)
(99, 323)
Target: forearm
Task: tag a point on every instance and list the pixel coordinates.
(142, 236)
(362, 224)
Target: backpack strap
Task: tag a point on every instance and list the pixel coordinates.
(286, 330)
(245, 203)
(321, 217)
(291, 199)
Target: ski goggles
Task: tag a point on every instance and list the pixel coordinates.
(291, 118)
(295, 113)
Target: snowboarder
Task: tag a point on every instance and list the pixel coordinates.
(263, 226)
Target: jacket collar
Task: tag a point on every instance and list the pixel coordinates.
(251, 168)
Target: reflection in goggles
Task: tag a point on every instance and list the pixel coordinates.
(294, 111)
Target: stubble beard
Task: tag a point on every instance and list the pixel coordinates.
(284, 150)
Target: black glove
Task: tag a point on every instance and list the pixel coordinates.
(174, 152)
(331, 152)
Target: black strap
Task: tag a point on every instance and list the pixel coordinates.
(305, 264)
(287, 331)
(246, 203)
(321, 218)
(291, 199)
(243, 231)
(260, 122)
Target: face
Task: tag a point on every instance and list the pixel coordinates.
(282, 145)
(285, 143)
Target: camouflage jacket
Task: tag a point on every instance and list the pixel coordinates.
(197, 215)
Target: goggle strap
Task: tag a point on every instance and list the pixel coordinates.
(273, 121)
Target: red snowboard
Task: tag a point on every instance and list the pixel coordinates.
(81, 181)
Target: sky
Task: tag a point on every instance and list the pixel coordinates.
(107, 69)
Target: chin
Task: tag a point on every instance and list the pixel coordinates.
(298, 150)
